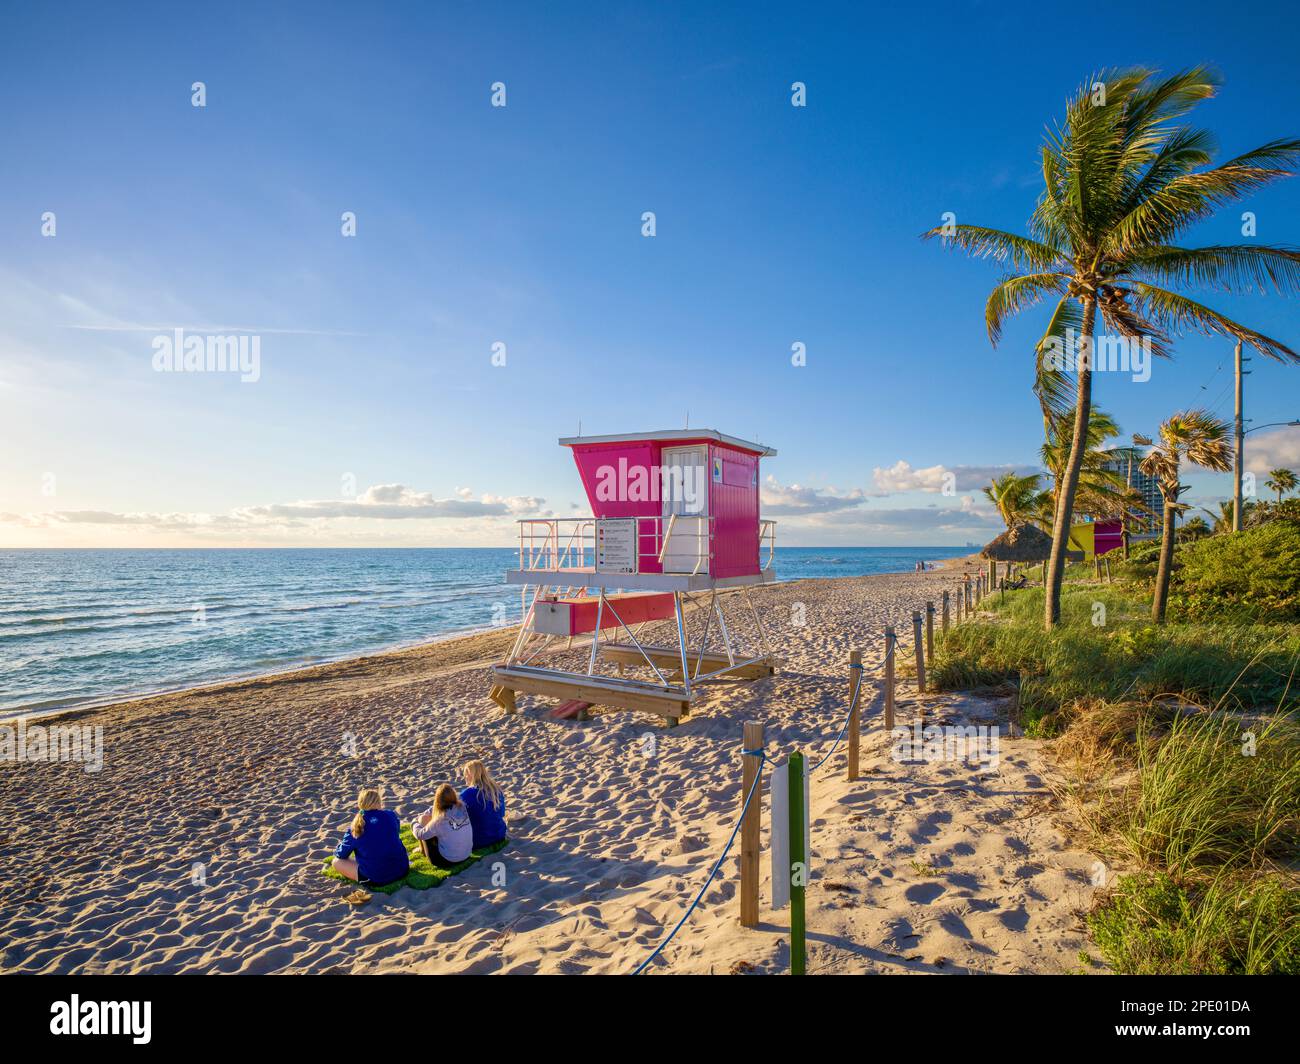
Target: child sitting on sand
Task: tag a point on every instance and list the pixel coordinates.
(445, 833)
(484, 802)
(376, 840)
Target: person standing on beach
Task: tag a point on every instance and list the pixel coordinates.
(375, 838)
(485, 804)
(444, 831)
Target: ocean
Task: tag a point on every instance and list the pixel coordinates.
(89, 626)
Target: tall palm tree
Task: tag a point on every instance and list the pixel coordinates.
(1122, 179)
(1202, 439)
(1280, 481)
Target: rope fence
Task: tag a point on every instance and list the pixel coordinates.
(966, 596)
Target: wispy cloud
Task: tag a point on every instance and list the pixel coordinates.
(382, 502)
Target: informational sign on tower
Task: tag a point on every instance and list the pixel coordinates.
(616, 545)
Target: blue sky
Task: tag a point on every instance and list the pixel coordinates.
(522, 225)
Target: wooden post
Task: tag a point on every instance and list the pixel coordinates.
(890, 639)
(943, 617)
(798, 855)
(855, 715)
(751, 766)
(920, 653)
(929, 630)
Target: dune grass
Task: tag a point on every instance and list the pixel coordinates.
(1107, 649)
(1185, 754)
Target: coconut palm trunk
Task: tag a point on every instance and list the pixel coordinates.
(1163, 574)
(1069, 482)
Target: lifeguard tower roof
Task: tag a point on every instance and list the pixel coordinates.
(670, 435)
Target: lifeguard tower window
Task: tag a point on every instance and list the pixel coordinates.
(685, 494)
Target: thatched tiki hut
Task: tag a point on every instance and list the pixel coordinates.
(1022, 544)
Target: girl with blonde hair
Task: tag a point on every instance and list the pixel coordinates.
(375, 837)
(484, 802)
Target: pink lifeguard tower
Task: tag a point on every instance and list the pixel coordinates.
(674, 535)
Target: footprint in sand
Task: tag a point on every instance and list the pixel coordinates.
(924, 893)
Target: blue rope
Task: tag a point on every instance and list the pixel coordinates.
(717, 864)
(847, 717)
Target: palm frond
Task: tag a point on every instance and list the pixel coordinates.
(1176, 313)
(1013, 294)
(1231, 268)
(982, 243)
(1054, 385)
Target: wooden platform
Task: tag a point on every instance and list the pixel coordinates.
(672, 703)
(669, 662)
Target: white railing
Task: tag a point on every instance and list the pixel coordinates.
(766, 538)
(569, 544)
(557, 543)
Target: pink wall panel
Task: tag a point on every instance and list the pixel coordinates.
(733, 502)
(1107, 535)
(626, 467)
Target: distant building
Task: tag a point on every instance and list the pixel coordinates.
(1148, 487)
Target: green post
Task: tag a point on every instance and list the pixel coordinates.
(798, 857)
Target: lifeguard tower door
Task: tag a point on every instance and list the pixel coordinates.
(685, 494)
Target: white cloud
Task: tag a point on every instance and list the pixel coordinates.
(901, 477)
(779, 500)
(1273, 449)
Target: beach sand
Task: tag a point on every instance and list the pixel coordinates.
(198, 846)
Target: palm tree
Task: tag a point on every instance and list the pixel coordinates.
(1202, 439)
(1280, 481)
(1019, 500)
(1195, 528)
(1122, 180)
(1223, 519)
(1016, 496)
(1103, 492)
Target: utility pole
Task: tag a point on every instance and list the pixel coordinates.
(1239, 459)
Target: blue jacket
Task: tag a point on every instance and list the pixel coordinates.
(381, 856)
(488, 821)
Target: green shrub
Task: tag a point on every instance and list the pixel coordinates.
(1126, 658)
(1252, 574)
(1152, 925)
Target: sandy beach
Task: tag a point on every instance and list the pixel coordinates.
(198, 846)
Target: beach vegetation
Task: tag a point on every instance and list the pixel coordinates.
(1180, 744)
(1196, 436)
(1123, 179)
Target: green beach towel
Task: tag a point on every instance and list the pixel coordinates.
(422, 875)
